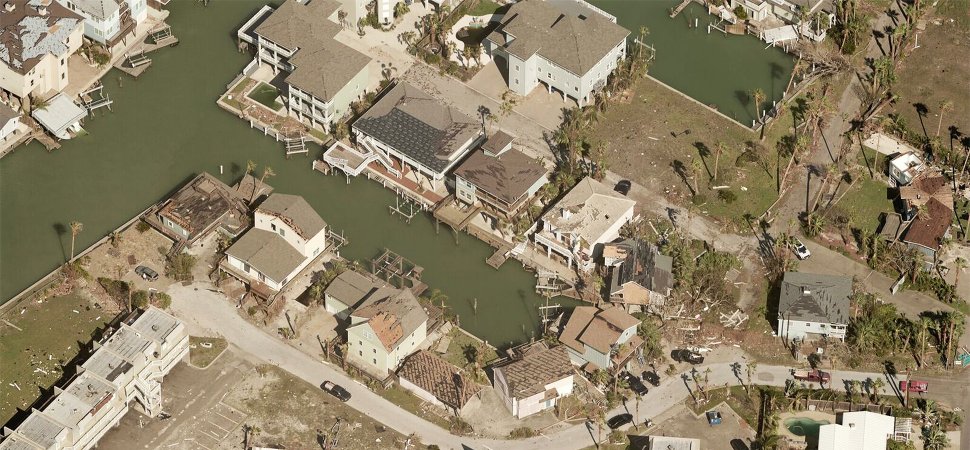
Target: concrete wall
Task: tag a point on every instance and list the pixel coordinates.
(252, 273)
(797, 329)
(50, 74)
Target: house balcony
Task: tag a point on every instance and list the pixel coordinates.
(247, 33)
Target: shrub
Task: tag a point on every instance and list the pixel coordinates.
(143, 226)
(163, 300)
(698, 199)
(727, 196)
(179, 267)
(617, 437)
(251, 310)
(139, 299)
(522, 432)
(741, 13)
(101, 59)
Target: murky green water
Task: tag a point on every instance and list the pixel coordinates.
(713, 68)
(166, 128)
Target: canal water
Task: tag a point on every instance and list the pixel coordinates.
(715, 69)
(166, 128)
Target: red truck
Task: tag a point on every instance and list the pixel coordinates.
(814, 376)
(913, 386)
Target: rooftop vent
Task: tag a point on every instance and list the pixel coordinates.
(9, 6)
(566, 213)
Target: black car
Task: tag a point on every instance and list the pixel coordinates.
(146, 273)
(651, 377)
(623, 187)
(635, 384)
(619, 420)
(336, 391)
(687, 356)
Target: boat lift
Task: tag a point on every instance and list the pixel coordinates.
(295, 146)
(137, 59)
(164, 36)
(95, 98)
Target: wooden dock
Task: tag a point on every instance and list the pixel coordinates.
(499, 257)
(680, 8)
(159, 39)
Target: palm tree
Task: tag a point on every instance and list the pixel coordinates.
(76, 228)
(719, 148)
(695, 167)
(945, 107)
(959, 264)
(758, 96)
(267, 172)
(250, 167)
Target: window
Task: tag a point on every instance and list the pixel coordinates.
(360, 342)
(516, 67)
(375, 350)
(361, 353)
(282, 232)
(63, 75)
(272, 226)
(63, 60)
(375, 361)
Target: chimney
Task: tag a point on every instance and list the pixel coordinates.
(42, 10)
(566, 213)
(10, 6)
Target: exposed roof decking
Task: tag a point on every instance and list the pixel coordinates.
(393, 314)
(530, 375)
(592, 209)
(507, 177)
(296, 212)
(202, 203)
(816, 298)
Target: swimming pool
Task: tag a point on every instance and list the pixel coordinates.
(804, 426)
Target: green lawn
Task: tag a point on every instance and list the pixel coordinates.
(863, 204)
(33, 356)
(483, 7)
(266, 95)
(201, 356)
(456, 349)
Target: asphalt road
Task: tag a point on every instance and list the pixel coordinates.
(204, 310)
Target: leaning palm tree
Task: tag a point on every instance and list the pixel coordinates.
(76, 228)
(945, 107)
(758, 96)
(719, 148)
(267, 172)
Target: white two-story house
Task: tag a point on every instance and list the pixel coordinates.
(565, 46)
(601, 338)
(812, 306)
(387, 327)
(535, 381)
(581, 222)
(108, 22)
(287, 235)
(36, 40)
(324, 76)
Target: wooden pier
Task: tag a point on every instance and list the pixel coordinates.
(499, 257)
(680, 8)
(136, 62)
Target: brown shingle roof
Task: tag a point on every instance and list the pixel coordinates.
(198, 205)
(930, 225)
(599, 329)
(439, 378)
(926, 187)
(507, 177)
(575, 40)
(530, 375)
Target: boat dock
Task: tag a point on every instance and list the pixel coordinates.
(499, 257)
(137, 62)
(680, 8)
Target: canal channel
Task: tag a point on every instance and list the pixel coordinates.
(715, 69)
(166, 127)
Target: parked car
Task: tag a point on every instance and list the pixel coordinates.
(651, 377)
(336, 391)
(635, 384)
(623, 187)
(687, 356)
(619, 420)
(801, 251)
(146, 273)
(713, 417)
(814, 376)
(913, 386)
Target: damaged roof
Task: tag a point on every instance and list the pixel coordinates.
(810, 297)
(530, 375)
(32, 29)
(393, 314)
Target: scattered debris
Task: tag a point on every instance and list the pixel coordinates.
(734, 320)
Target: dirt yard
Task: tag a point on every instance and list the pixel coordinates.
(935, 72)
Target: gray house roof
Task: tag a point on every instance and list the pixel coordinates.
(351, 287)
(393, 314)
(574, 38)
(645, 266)
(98, 9)
(296, 212)
(323, 65)
(810, 297)
(26, 35)
(267, 252)
(417, 125)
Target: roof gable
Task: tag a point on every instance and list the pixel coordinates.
(295, 212)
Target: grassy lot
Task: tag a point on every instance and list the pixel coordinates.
(863, 204)
(483, 7)
(936, 72)
(655, 137)
(32, 357)
(266, 95)
(200, 356)
(410, 402)
(456, 349)
(235, 92)
(294, 413)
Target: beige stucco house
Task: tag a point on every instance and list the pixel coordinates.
(36, 40)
